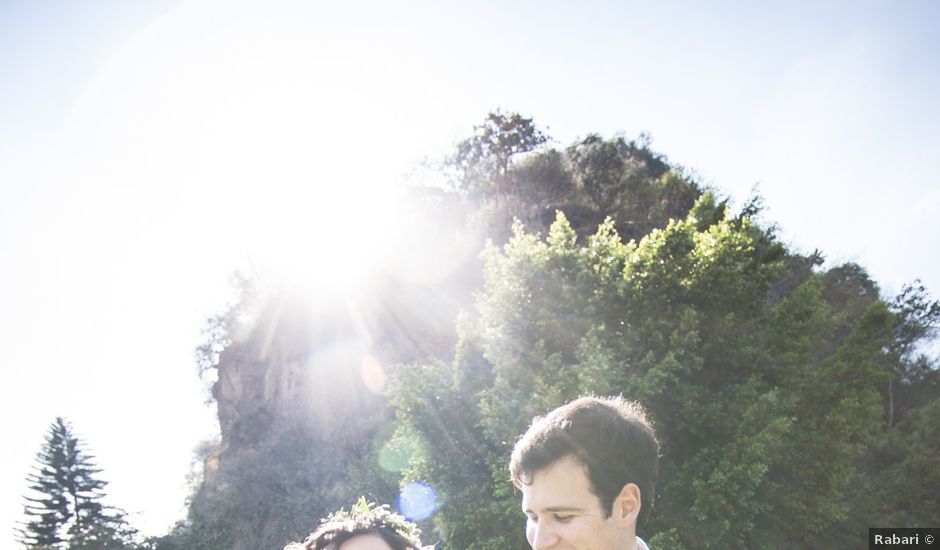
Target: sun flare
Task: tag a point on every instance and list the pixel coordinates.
(338, 244)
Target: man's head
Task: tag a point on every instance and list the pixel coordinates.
(365, 527)
(587, 471)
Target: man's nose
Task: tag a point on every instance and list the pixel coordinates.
(544, 537)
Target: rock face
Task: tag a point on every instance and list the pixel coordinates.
(305, 365)
(302, 410)
(254, 395)
(292, 368)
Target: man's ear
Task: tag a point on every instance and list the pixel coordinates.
(627, 504)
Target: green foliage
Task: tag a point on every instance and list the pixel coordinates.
(789, 399)
(221, 328)
(495, 142)
(266, 496)
(65, 509)
(912, 379)
(628, 182)
(765, 403)
(908, 472)
(450, 456)
(506, 173)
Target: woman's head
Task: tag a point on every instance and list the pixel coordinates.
(364, 527)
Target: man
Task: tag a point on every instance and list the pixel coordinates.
(587, 472)
(365, 527)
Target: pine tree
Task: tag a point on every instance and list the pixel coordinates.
(49, 512)
(65, 510)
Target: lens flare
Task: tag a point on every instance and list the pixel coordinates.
(372, 374)
(417, 501)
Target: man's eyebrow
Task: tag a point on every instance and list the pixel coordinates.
(555, 509)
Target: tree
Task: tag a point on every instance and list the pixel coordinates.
(488, 154)
(912, 375)
(505, 171)
(631, 184)
(275, 492)
(65, 509)
(907, 472)
(763, 407)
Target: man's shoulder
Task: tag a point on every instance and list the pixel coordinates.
(641, 545)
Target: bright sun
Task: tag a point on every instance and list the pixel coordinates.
(288, 148)
(337, 244)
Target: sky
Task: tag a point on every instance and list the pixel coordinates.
(150, 149)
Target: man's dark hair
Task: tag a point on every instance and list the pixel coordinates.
(610, 436)
(363, 518)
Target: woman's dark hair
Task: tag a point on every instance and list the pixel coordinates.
(363, 518)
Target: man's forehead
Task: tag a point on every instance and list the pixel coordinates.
(562, 486)
(557, 503)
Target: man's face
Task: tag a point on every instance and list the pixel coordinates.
(365, 542)
(563, 513)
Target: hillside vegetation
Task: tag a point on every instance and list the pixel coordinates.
(792, 401)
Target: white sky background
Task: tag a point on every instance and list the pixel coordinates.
(148, 151)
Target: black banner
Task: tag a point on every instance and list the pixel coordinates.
(904, 537)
